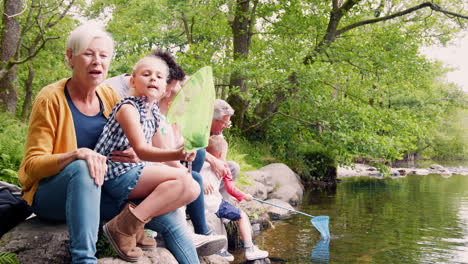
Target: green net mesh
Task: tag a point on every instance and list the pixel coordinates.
(192, 109)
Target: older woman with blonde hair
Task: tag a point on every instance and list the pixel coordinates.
(61, 176)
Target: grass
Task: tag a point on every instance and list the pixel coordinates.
(249, 156)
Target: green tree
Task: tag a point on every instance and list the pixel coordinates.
(344, 75)
(27, 26)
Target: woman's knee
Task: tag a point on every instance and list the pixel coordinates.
(79, 171)
(78, 167)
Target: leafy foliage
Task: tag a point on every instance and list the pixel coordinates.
(8, 258)
(12, 136)
(367, 93)
(103, 246)
(354, 91)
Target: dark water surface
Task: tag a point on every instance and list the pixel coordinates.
(415, 219)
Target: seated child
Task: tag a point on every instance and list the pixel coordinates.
(214, 202)
(162, 189)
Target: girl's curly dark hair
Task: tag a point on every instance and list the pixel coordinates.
(175, 71)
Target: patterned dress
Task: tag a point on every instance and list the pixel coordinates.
(113, 137)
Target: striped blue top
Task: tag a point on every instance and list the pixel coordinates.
(113, 136)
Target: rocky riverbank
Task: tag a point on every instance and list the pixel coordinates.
(35, 241)
(366, 170)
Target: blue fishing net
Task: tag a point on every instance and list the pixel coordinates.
(321, 224)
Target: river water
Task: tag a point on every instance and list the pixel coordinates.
(414, 219)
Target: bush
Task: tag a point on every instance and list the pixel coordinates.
(12, 138)
(314, 163)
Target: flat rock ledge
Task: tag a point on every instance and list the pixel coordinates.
(40, 242)
(366, 170)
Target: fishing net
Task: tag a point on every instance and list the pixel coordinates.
(192, 109)
(321, 224)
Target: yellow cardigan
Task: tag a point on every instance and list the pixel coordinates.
(52, 132)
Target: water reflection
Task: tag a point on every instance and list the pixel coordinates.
(460, 253)
(321, 251)
(416, 219)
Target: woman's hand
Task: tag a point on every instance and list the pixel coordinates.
(96, 163)
(127, 156)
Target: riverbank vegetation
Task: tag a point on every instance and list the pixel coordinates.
(314, 83)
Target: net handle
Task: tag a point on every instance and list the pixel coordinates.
(291, 210)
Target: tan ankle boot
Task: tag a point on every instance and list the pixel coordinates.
(121, 232)
(142, 241)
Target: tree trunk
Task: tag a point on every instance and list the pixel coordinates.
(242, 33)
(28, 85)
(9, 44)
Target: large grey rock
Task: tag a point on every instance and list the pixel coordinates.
(261, 177)
(216, 224)
(213, 259)
(41, 242)
(155, 256)
(253, 207)
(276, 213)
(286, 184)
(288, 194)
(38, 242)
(257, 189)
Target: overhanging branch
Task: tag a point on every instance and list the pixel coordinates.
(432, 6)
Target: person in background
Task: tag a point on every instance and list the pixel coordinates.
(215, 204)
(222, 120)
(61, 176)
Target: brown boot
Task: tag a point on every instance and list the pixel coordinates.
(142, 241)
(121, 232)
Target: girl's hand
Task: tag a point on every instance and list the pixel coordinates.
(190, 156)
(186, 156)
(127, 156)
(96, 164)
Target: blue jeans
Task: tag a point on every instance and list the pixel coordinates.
(197, 164)
(196, 209)
(71, 196)
(174, 231)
